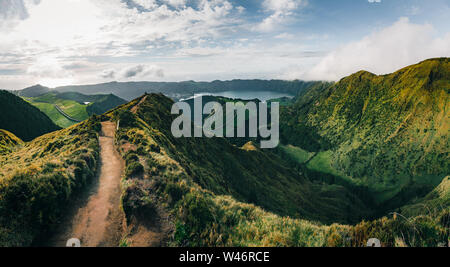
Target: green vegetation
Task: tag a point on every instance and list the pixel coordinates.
(204, 183)
(8, 141)
(187, 177)
(251, 176)
(388, 132)
(73, 108)
(298, 154)
(433, 203)
(39, 178)
(22, 119)
(284, 101)
(362, 158)
(53, 114)
(76, 105)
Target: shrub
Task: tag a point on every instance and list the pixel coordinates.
(180, 235)
(197, 212)
(135, 168)
(127, 119)
(445, 219)
(155, 148)
(175, 192)
(136, 202)
(141, 151)
(131, 157)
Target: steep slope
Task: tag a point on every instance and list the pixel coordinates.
(39, 179)
(389, 132)
(8, 141)
(22, 119)
(213, 193)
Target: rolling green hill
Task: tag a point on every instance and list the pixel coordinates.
(388, 132)
(22, 119)
(76, 105)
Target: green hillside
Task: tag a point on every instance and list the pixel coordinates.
(223, 195)
(22, 119)
(388, 132)
(8, 141)
(256, 176)
(76, 105)
(39, 179)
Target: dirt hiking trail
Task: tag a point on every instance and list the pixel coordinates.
(97, 220)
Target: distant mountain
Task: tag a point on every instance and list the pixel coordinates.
(388, 132)
(33, 91)
(22, 119)
(178, 90)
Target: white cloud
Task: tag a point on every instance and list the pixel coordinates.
(285, 35)
(143, 71)
(374, 1)
(385, 51)
(108, 74)
(280, 12)
(73, 30)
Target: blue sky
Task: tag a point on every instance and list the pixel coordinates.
(61, 42)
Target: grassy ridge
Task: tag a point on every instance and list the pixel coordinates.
(39, 178)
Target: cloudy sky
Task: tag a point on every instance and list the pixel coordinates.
(61, 42)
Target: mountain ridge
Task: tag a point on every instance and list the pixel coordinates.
(385, 129)
(179, 90)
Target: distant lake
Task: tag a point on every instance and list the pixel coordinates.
(247, 95)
